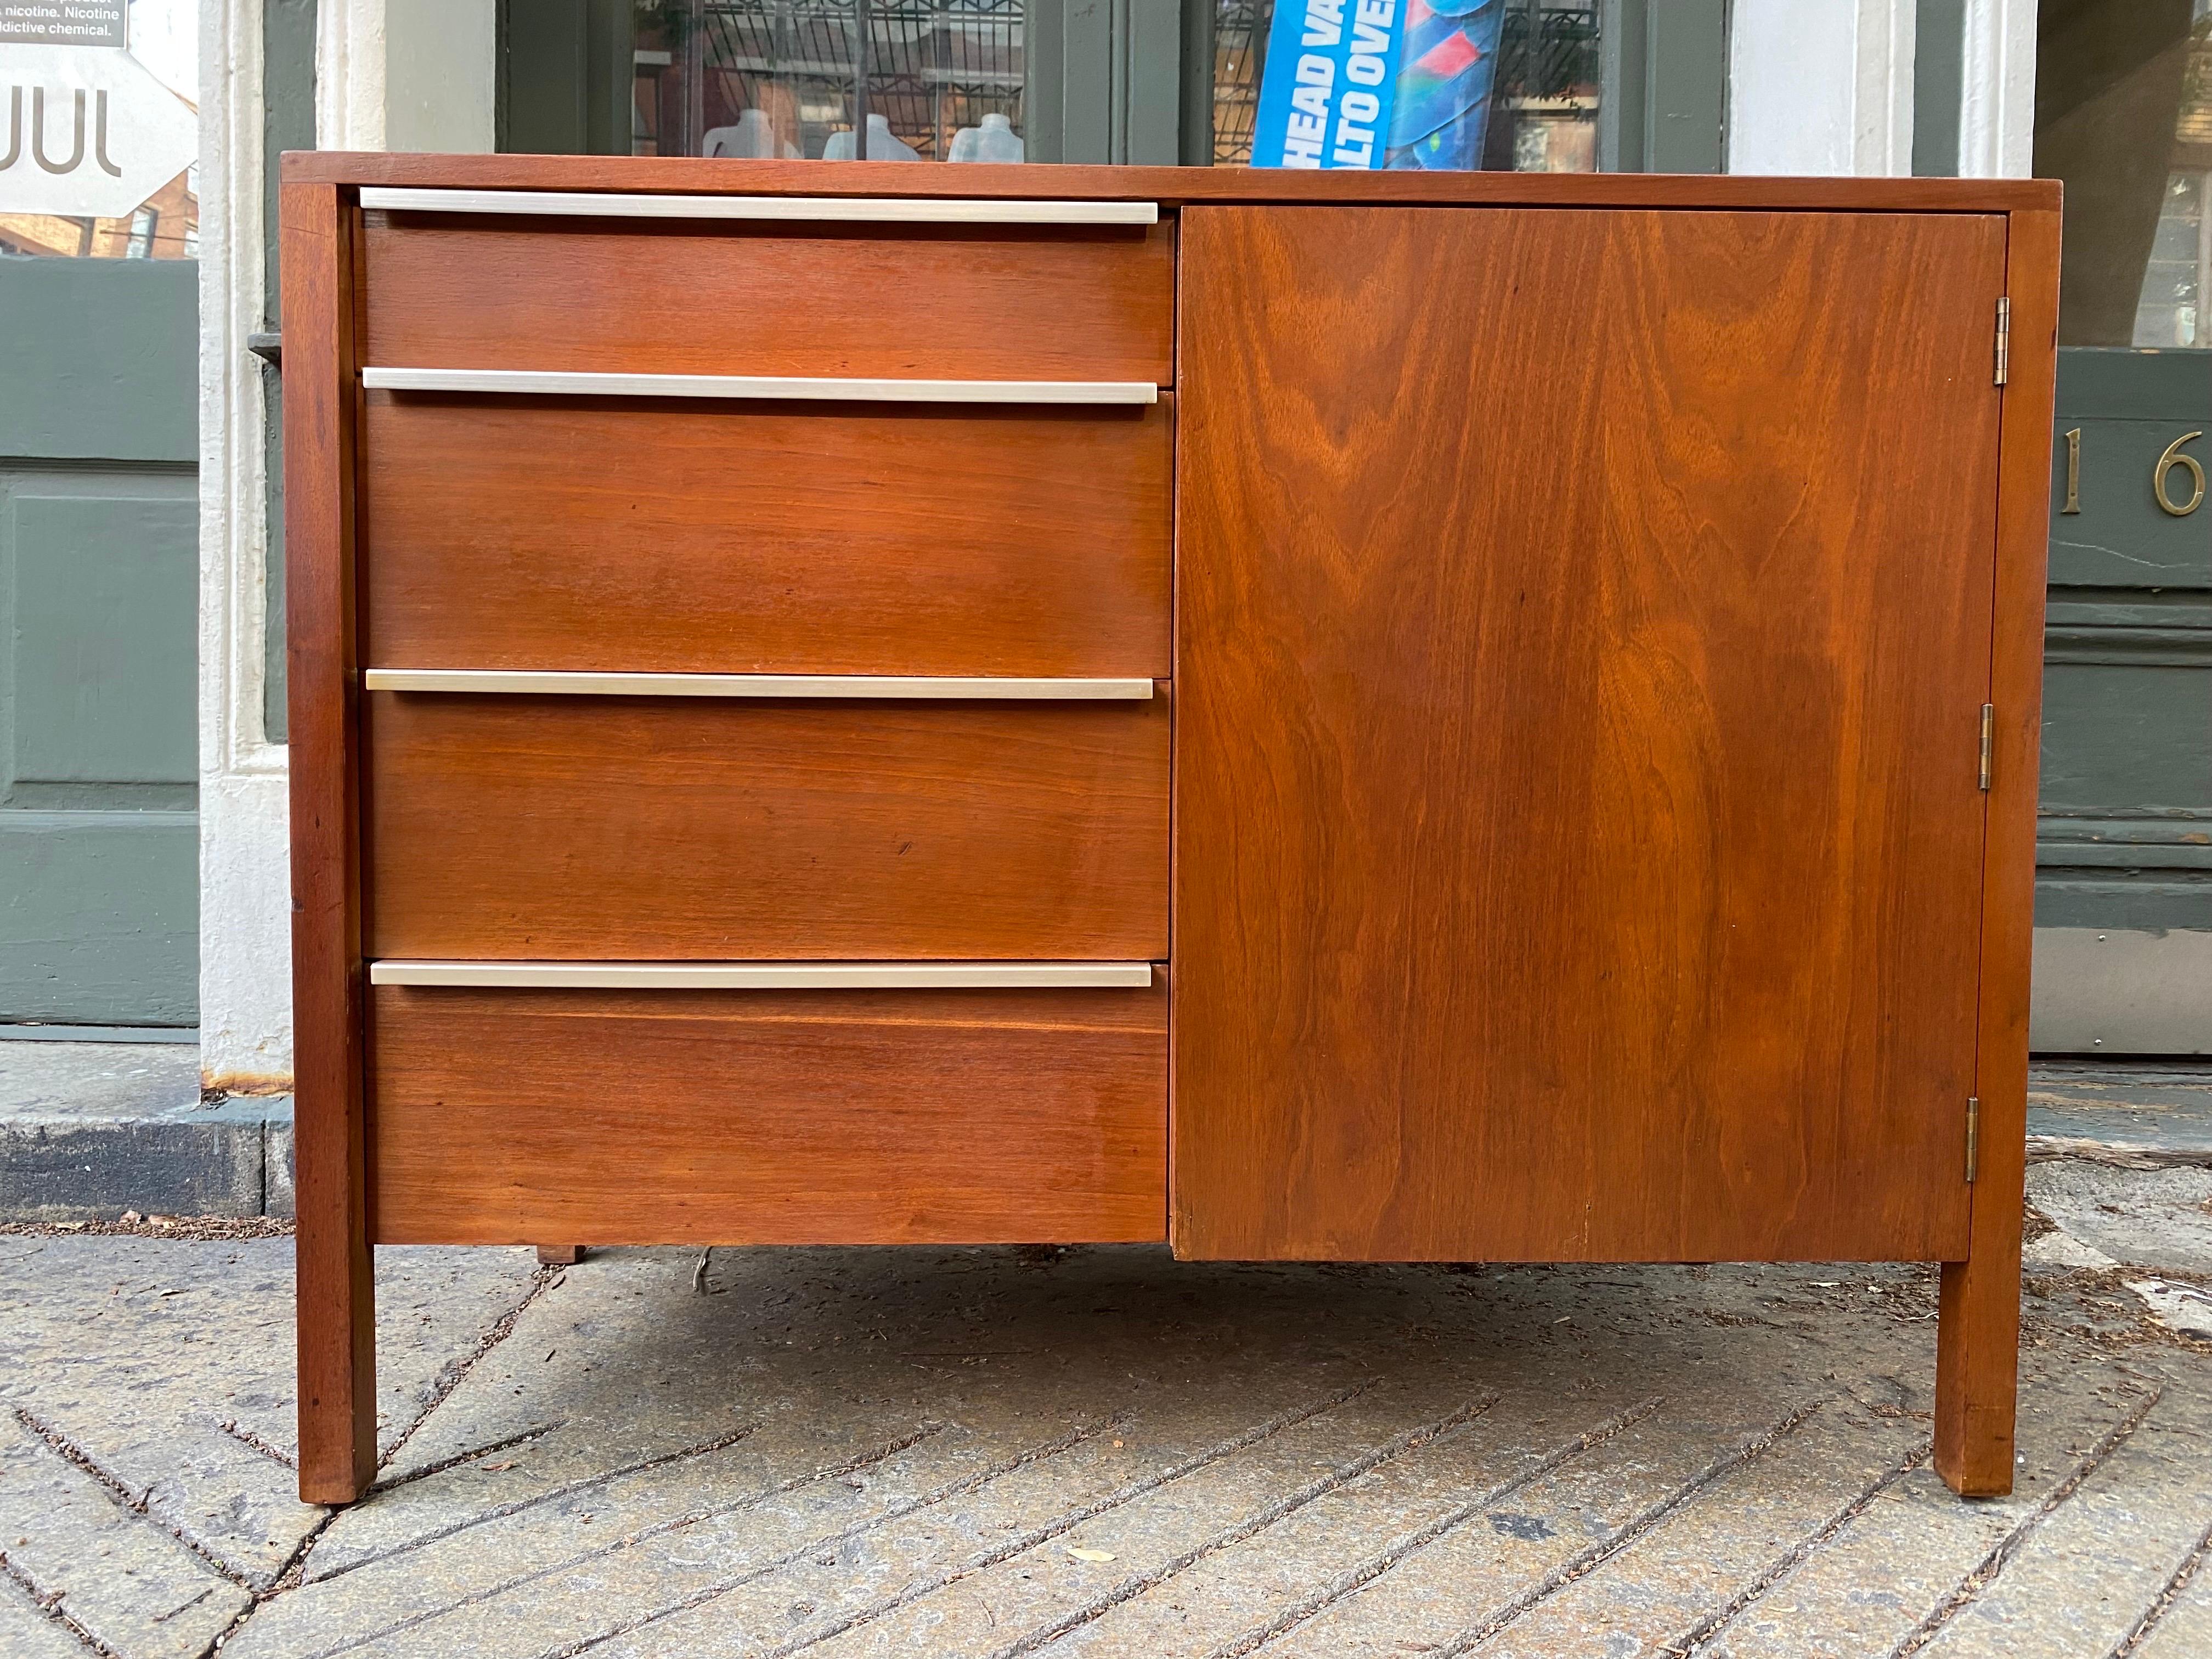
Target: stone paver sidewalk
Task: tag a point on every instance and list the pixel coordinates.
(1092, 1452)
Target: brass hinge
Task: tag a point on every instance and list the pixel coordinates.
(2004, 337)
(1989, 740)
(1973, 1136)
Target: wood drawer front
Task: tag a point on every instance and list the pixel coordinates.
(1056, 302)
(676, 537)
(789, 1117)
(676, 828)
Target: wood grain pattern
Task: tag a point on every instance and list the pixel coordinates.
(645, 827)
(1978, 1341)
(925, 302)
(662, 538)
(873, 1117)
(1580, 661)
(685, 175)
(336, 1306)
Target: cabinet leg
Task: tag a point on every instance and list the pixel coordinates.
(334, 1280)
(336, 1285)
(1978, 1371)
(559, 1256)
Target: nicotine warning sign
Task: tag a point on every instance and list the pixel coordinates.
(63, 22)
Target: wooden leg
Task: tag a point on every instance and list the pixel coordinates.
(559, 1256)
(1977, 1330)
(336, 1285)
(1977, 1377)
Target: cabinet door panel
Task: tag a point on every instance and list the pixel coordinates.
(1584, 625)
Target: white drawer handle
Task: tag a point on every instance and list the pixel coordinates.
(561, 383)
(767, 976)
(919, 687)
(854, 209)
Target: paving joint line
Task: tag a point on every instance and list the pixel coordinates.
(49, 1604)
(1694, 1639)
(500, 1511)
(844, 1535)
(246, 1437)
(1406, 1545)
(2162, 1603)
(829, 1472)
(1071, 1519)
(1992, 1565)
(134, 1504)
(1585, 1562)
(485, 1450)
(451, 1375)
(287, 1578)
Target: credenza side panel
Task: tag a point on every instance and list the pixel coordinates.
(1583, 624)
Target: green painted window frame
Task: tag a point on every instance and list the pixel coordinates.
(564, 80)
(287, 122)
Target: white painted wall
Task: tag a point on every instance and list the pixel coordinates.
(1821, 87)
(390, 74)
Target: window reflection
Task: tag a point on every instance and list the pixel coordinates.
(935, 81)
(1541, 93)
(2123, 116)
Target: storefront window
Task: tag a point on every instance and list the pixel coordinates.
(2123, 116)
(1515, 82)
(1504, 85)
(931, 82)
(98, 137)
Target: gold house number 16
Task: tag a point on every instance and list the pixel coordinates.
(2169, 458)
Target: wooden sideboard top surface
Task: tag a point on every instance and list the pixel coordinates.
(1169, 187)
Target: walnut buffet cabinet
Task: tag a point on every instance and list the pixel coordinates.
(1367, 717)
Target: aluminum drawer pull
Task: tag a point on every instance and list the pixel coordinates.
(861, 209)
(767, 976)
(531, 681)
(561, 383)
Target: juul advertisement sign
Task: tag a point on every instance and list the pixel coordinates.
(89, 130)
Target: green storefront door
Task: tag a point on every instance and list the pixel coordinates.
(99, 532)
(2124, 900)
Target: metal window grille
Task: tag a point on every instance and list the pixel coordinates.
(929, 69)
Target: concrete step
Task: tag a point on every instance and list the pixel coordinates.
(91, 1130)
(2139, 1115)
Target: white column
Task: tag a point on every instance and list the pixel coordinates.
(1821, 87)
(406, 73)
(245, 991)
(1997, 103)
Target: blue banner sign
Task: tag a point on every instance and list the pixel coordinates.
(1378, 83)
(1331, 75)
